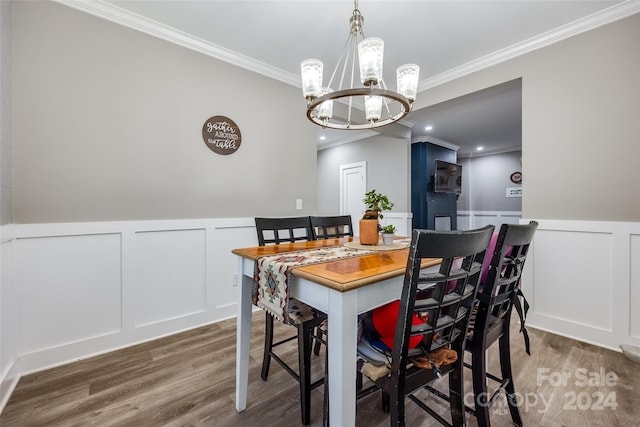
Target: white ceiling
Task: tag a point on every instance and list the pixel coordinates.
(446, 38)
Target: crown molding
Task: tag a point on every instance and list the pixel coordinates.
(475, 154)
(134, 21)
(137, 22)
(435, 141)
(606, 16)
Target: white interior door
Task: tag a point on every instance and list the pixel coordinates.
(353, 186)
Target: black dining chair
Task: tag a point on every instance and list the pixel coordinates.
(491, 318)
(432, 318)
(330, 227)
(288, 230)
(283, 230)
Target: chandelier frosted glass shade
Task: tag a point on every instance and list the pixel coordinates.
(370, 106)
(373, 107)
(371, 53)
(311, 72)
(325, 110)
(407, 79)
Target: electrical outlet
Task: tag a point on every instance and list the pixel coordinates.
(298, 204)
(235, 280)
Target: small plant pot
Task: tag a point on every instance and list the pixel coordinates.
(369, 232)
(387, 239)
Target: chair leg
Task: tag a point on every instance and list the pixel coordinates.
(479, 374)
(316, 346)
(456, 391)
(305, 334)
(268, 344)
(505, 367)
(385, 402)
(325, 404)
(397, 407)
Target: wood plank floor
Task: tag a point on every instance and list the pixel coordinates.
(189, 380)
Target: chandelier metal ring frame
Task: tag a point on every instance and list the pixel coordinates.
(375, 95)
(349, 93)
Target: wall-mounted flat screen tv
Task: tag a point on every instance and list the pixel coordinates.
(448, 177)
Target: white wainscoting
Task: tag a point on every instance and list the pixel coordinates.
(9, 318)
(82, 289)
(89, 288)
(582, 280)
(401, 220)
(469, 220)
(71, 291)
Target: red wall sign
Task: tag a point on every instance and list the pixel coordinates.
(221, 135)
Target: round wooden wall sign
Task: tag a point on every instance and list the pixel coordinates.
(221, 135)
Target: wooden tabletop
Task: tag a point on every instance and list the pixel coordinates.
(344, 274)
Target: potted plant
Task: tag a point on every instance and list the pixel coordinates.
(369, 224)
(388, 232)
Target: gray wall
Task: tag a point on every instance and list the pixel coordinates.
(388, 161)
(9, 317)
(6, 144)
(580, 104)
(485, 180)
(107, 126)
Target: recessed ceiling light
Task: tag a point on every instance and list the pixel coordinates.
(428, 127)
(480, 148)
(322, 137)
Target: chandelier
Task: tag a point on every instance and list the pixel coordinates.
(381, 105)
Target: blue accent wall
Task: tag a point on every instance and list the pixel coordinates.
(425, 204)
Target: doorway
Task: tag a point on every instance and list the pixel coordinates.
(353, 184)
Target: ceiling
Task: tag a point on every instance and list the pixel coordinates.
(447, 39)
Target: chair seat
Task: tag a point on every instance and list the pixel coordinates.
(494, 325)
(300, 312)
(376, 363)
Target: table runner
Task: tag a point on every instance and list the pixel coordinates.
(272, 272)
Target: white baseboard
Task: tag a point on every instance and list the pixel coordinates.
(8, 383)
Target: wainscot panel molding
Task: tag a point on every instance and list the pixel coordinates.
(469, 220)
(401, 220)
(91, 288)
(582, 280)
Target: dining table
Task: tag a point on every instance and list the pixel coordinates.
(343, 289)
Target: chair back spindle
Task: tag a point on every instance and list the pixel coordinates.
(283, 230)
(329, 227)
